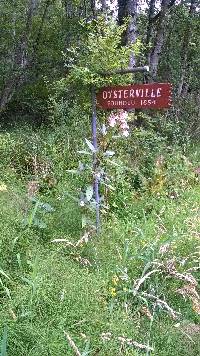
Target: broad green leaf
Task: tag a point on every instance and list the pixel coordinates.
(84, 221)
(87, 350)
(28, 281)
(89, 192)
(33, 213)
(74, 171)
(90, 145)
(39, 223)
(81, 167)
(47, 207)
(84, 152)
(7, 292)
(109, 153)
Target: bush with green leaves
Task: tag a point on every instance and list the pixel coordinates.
(102, 52)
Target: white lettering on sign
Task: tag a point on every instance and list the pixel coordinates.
(115, 94)
(112, 103)
(159, 92)
(137, 93)
(132, 93)
(105, 95)
(125, 94)
(120, 93)
(148, 102)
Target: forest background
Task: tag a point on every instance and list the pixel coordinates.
(134, 288)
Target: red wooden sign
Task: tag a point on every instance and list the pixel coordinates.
(145, 96)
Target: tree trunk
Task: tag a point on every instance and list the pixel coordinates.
(104, 6)
(150, 27)
(20, 60)
(158, 21)
(129, 8)
(185, 63)
(159, 39)
(93, 8)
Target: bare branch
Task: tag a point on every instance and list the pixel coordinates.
(126, 71)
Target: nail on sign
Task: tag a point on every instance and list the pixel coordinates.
(141, 96)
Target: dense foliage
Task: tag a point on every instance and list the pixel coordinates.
(134, 288)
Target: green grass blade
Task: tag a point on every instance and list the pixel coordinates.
(4, 342)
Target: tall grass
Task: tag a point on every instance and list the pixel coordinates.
(88, 291)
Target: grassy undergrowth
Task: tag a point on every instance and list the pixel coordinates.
(99, 292)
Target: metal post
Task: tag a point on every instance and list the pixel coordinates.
(95, 160)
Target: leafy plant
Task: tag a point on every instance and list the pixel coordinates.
(102, 52)
(34, 219)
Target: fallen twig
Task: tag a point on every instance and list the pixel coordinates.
(72, 344)
(187, 277)
(131, 342)
(83, 239)
(123, 340)
(83, 261)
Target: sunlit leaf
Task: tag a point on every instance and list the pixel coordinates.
(81, 167)
(4, 274)
(47, 207)
(85, 152)
(89, 192)
(3, 187)
(90, 145)
(109, 153)
(84, 221)
(74, 171)
(39, 223)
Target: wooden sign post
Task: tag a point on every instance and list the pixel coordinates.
(140, 96)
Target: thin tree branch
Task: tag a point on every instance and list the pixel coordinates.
(125, 71)
(131, 342)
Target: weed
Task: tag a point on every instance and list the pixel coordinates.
(120, 292)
